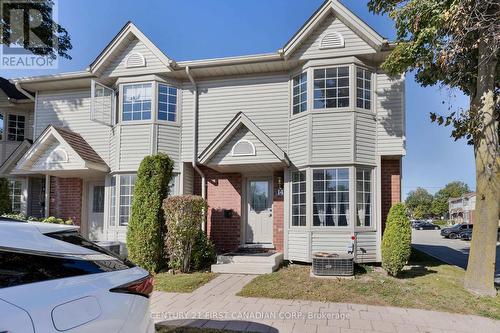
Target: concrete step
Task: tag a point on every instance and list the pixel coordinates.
(244, 268)
(250, 258)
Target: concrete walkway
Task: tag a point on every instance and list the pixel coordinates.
(215, 305)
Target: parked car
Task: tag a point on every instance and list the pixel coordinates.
(467, 235)
(52, 280)
(424, 225)
(454, 231)
(415, 223)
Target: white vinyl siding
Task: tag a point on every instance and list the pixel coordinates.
(169, 142)
(135, 144)
(332, 137)
(299, 140)
(365, 128)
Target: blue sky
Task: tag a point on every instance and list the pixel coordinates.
(196, 29)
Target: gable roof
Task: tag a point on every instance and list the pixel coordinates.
(79, 145)
(128, 31)
(240, 119)
(10, 90)
(13, 158)
(367, 33)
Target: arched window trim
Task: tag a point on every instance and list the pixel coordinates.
(233, 153)
(329, 35)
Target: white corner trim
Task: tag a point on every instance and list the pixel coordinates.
(233, 153)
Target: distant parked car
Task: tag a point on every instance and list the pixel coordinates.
(467, 235)
(426, 226)
(416, 223)
(54, 280)
(454, 231)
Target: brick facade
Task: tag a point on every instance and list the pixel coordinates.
(278, 212)
(66, 198)
(390, 185)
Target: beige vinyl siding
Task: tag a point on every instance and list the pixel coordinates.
(71, 109)
(299, 141)
(169, 142)
(337, 241)
(298, 245)
(332, 137)
(366, 245)
(7, 147)
(310, 48)
(365, 138)
(117, 67)
(135, 144)
(390, 115)
(264, 100)
(262, 153)
(113, 148)
(187, 179)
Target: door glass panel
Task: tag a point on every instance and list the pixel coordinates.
(259, 194)
(98, 200)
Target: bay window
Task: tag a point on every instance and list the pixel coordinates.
(136, 104)
(127, 183)
(167, 102)
(363, 88)
(331, 87)
(299, 199)
(16, 125)
(331, 197)
(300, 93)
(363, 198)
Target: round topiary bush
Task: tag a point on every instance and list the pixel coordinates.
(396, 243)
(146, 227)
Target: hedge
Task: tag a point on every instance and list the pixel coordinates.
(5, 200)
(146, 227)
(184, 216)
(396, 243)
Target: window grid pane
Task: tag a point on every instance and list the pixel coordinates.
(167, 102)
(363, 198)
(1, 126)
(363, 88)
(16, 128)
(16, 191)
(126, 193)
(331, 88)
(136, 102)
(299, 199)
(112, 213)
(331, 197)
(300, 93)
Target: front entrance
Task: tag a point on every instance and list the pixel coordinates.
(96, 211)
(259, 226)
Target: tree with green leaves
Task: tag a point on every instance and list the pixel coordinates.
(419, 203)
(451, 190)
(455, 43)
(35, 30)
(146, 228)
(5, 200)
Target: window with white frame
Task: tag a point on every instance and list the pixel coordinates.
(1, 126)
(299, 199)
(15, 127)
(126, 194)
(300, 93)
(331, 197)
(136, 104)
(363, 198)
(167, 102)
(331, 87)
(363, 88)
(112, 209)
(16, 193)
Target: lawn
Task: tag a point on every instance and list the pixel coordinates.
(425, 284)
(182, 283)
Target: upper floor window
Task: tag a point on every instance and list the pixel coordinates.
(364, 198)
(136, 102)
(167, 102)
(331, 87)
(300, 93)
(363, 88)
(16, 128)
(331, 197)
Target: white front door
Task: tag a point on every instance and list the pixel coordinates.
(96, 211)
(259, 228)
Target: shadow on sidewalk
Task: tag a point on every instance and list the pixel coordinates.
(192, 325)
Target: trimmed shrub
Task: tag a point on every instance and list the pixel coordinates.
(396, 243)
(203, 254)
(184, 215)
(5, 200)
(146, 227)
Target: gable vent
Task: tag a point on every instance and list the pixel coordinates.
(243, 148)
(332, 40)
(135, 60)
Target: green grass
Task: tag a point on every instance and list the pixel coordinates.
(189, 330)
(425, 284)
(182, 283)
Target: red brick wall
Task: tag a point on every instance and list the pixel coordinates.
(223, 193)
(66, 198)
(390, 184)
(278, 213)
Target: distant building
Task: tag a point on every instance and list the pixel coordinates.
(463, 209)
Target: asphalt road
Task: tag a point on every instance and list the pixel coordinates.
(452, 251)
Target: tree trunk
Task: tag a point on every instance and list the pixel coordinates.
(479, 277)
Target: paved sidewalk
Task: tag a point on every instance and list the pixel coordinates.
(215, 305)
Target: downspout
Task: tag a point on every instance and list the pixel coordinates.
(195, 137)
(24, 92)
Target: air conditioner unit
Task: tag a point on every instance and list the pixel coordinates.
(332, 264)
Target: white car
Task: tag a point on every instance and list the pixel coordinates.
(53, 280)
